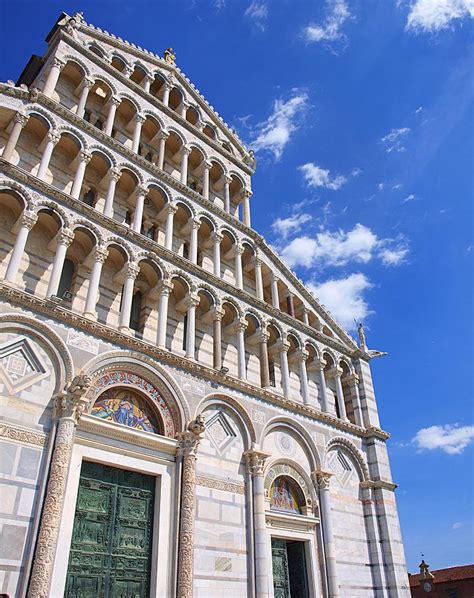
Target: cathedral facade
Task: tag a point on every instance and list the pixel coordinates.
(180, 416)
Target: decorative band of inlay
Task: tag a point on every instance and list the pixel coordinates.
(22, 435)
(220, 485)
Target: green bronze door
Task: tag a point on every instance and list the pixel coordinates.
(281, 577)
(112, 536)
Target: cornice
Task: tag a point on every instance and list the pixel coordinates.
(63, 35)
(145, 243)
(50, 309)
(56, 108)
(379, 485)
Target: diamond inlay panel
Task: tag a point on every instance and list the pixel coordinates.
(20, 365)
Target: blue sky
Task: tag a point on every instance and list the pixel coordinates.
(361, 115)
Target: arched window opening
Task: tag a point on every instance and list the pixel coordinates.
(128, 217)
(135, 311)
(65, 282)
(151, 233)
(271, 370)
(128, 408)
(286, 495)
(89, 197)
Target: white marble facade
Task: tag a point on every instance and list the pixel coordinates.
(127, 257)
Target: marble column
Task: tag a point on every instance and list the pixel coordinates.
(99, 257)
(337, 373)
(195, 225)
(290, 303)
(137, 131)
(53, 139)
(217, 240)
(84, 159)
(241, 327)
(258, 277)
(167, 87)
(193, 302)
(305, 312)
(185, 151)
(246, 207)
(170, 212)
(323, 394)
(162, 136)
(146, 83)
(26, 222)
(130, 274)
(217, 316)
(165, 292)
(183, 108)
(114, 175)
(53, 76)
(19, 122)
(256, 464)
(263, 354)
(206, 167)
(187, 451)
(373, 538)
(141, 193)
(227, 182)
(109, 123)
(238, 251)
(69, 408)
(302, 357)
(87, 85)
(321, 481)
(64, 239)
(275, 292)
(285, 373)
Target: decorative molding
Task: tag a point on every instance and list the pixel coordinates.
(23, 435)
(378, 484)
(52, 310)
(215, 484)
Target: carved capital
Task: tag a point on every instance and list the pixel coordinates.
(163, 134)
(131, 270)
(207, 165)
(65, 237)
(171, 208)
(194, 223)
(217, 238)
(115, 174)
(264, 336)
(85, 156)
(142, 190)
(246, 194)
(57, 63)
(54, 137)
(189, 440)
(165, 287)
(255, 461)
(217, 314)
(88, 82)
(140, 118)
(116, 101)
(241, 325)
(302, 355)
(321, 479)
(28, 219)
(21, 118)
(185, 150)
(100, 254)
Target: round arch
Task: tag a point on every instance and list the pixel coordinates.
(352, 451)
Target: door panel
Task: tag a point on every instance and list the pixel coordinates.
(281, 579)
(112, 536)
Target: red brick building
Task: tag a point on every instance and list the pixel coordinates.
(454, 582)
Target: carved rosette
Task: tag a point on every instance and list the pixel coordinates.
(189, 443)
(69, 408)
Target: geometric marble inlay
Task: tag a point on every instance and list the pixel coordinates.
(20, 366)
(220, 431)
(341, 467)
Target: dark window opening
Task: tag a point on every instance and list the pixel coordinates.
(128, 217)
(185, 331)
(65, 282)
(186, 250)
(89, 197)
(271, 371)
(135, 311)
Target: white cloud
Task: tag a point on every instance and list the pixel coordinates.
(344, 297)
(315, 176)
(290, 225)
(275, 132)
(410, 197)
(359, 245)
(456, 525)
(434, 15)
(338, 14)
(258, 12)
(394, 140)
(451, 439)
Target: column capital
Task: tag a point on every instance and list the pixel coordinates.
(282, 346)
(167, 85)
(139, 118)
(302, 355)
(54, 137)
(207, 165)
(190, 439)
(217, 313)
(352, 377)
(192, 299)
(163, 134)
(238, 249)
(264, 336)
(241, 324)
(115, 174)
(149, 78)
(115, 100)
(131, 270)
(128, 70)
(321, 479)
(185, 104)
(72, 403)
(58, 63)
(227, 179)
(142, 190)
(85, 156)
(194, 223)
(66, 236)
(246, 194)
(320, 363)
(171, 208)
(185, 150)
(21, 118)
(217, 237)
(28, 219)
(257, 260)
(255, 461)
(88, 82)
(335, 372)
(100, 254)
(165, 287)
